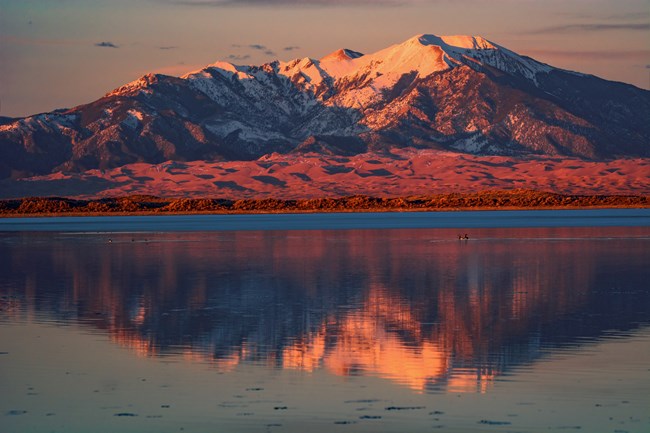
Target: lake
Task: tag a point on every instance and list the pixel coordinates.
(385, 322)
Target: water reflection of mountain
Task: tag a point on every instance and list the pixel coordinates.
(414, 306)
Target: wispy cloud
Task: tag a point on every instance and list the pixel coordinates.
(604, 55)
(237, 57)
(257, 47)
(171, 47)
(591, 27)
(618, 17)
(293, 3)
(106, 45)
(630, 16)
(291, 48)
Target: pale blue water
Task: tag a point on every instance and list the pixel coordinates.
(266, 323)
(330, 221)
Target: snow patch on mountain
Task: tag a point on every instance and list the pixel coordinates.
(460, 41)
(133, 119)
(142, 84)
(464, 49)
(48, 121)
(243, 131)
(475, 144)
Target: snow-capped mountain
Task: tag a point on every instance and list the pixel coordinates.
(461, 93)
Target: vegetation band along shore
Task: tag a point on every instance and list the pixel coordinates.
(145, 204)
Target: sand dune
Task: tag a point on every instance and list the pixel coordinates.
(400, 173)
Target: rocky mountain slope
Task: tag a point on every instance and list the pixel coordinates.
(458, 93)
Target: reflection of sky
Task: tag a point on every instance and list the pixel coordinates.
(57, 54)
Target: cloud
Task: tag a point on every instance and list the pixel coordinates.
(632, 16)
(106, 45)
(593, 27)
(591, 16)
(291, 48)
(605, 55)
(256, 47)
(167, 48)
(237, 57)
(294, 3)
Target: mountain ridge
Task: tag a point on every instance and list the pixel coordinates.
(459, 93)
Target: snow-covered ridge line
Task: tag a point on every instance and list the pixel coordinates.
(423, 54)
(358, 80)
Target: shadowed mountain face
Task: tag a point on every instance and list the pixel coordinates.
(412, 306)
(457, 93)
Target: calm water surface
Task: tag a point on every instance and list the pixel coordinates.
(165, 325)
(331, 221)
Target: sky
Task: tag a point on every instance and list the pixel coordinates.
(62, 53)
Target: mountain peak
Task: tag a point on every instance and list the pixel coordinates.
(457, 41)
(342, 55)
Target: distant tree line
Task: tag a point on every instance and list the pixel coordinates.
(144, 204)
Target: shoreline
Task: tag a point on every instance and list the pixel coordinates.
(145, 205)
